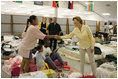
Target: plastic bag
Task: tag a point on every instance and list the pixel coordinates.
(74, 74)
(37, 74)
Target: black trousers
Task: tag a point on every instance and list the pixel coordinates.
(106, 36)
(53, 43)
(42, 41)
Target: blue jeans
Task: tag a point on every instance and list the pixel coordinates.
(50, 59)
(30, 56)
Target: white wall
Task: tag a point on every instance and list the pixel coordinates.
(102, 26)
(92, 25)
(5, 28)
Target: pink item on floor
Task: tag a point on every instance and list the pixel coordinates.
(33, 66)
(15, 71)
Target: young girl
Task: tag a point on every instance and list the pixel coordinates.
(30, 36)
(51, 56)
(39, 58)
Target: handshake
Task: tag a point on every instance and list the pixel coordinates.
(56, 37)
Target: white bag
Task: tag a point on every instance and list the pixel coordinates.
(37, 74)
(75, 75)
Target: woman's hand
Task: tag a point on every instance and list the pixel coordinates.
(57, 37)
(92, 50)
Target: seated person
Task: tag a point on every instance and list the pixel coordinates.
(51, 56)
(39, 58)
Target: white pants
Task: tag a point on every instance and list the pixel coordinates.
(91, 58)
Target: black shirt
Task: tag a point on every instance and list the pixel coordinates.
(43, 26)
(54, 29)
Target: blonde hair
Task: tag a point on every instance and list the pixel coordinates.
(45, 18)
(78, 19)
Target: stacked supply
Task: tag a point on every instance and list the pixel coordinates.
(106, 70)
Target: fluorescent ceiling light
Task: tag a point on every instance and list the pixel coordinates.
(42, 13)
(14, 9)
(23, 6)
(46, 15)
(105, 13)
(87, 13)
(20, 12)
(77, 12)
(40, 7)
(30, 9)
(29, 13)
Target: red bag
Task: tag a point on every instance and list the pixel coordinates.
(32, 61)
(88, 77)
(33, 66)
(66, 68)
(15, 71)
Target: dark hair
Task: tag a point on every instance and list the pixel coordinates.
(105, 23)
(50, 18)
(78, 19)
(110, 23)
(96, 34)
(39, 47)
(46, 41)
(30, 20)
(2, 38)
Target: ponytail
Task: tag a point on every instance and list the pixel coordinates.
(30, 20)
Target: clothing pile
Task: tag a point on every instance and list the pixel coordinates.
(113, 43)
(97, 50)
(75, 55)
(72, 47)
(12, 66)
(114, 38)
(111, 58)
(67, 41)
(36, 74)
(10, 46)
(105, 50)
(106, 70)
